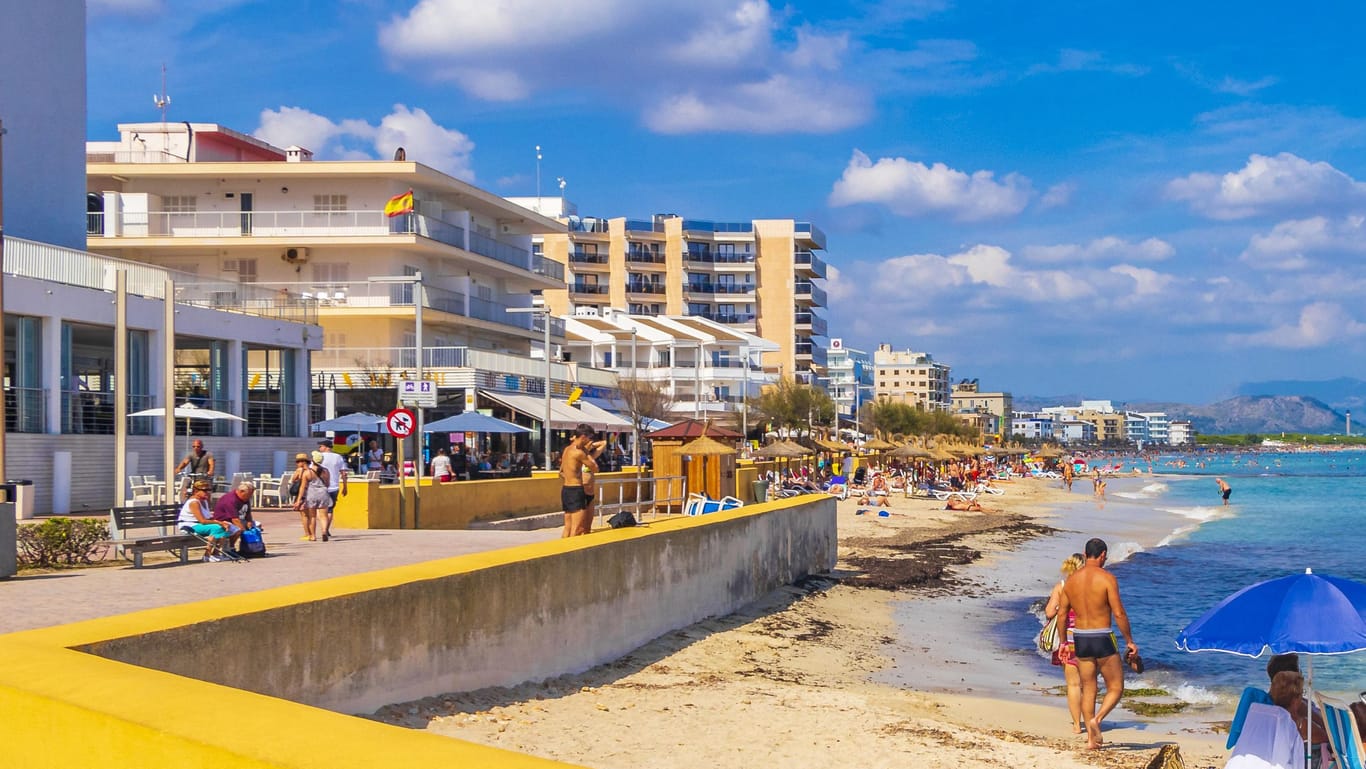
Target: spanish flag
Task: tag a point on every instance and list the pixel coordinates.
(399, 204)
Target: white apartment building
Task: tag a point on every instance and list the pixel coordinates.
(1031, 427)
(849, 378)
(1159, 426)
(1075, 431)
(1180, 433)
(709, 368)
(209, 201)
(910, 377)
(60, 312)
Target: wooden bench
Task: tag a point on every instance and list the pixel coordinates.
(125, 520)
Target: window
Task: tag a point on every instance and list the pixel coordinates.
(179, 204)
(329, 202)
(245, 269)
(331, 272)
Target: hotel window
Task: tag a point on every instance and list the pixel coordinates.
(329, 202)
(179, 204)
(331, 273)
(245, 269)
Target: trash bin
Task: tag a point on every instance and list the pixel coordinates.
(21, 495)
(761, 491)
(9, 531)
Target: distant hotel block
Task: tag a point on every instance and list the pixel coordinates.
(761, 277)
(849, 378)
(1097, 422)
(911, 377)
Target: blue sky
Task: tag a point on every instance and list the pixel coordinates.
(1150, 200)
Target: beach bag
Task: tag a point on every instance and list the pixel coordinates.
(252, 544)
(1048, 637)
(621, 520)
(294, 489)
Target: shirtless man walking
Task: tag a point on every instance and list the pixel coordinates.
(577, 517)
(1224, 489)
(1093, 593)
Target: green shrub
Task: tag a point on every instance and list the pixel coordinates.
(60, 542)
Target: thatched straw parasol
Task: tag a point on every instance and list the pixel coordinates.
(1049, 452)
(705, 447)
(781, 450)
(877, 444)
(910, 451)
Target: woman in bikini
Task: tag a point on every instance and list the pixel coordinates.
(1066, 656)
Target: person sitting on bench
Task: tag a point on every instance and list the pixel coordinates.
(233, 510)
(196, 517)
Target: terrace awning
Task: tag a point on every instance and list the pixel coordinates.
(562, 416)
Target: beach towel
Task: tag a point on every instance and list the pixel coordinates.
(1268, 739)
(1250, 695)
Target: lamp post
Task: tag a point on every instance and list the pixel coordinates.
(539, 309)
(744, 396)
(635, 417)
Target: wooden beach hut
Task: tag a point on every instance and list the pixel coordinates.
(664, 448)
(709, 466)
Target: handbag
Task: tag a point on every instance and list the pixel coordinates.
(294, 488)
(1048, 641)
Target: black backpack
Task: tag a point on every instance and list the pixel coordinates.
(621, 520)
(251, 544)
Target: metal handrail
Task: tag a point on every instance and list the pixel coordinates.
(643, 497)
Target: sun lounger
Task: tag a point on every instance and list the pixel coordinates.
(1269, 738)
(1342, 734)
(944, 496)
(699, 504)
(1250, 695)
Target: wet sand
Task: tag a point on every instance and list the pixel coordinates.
(855, 668)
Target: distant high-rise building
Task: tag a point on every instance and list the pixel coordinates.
(849, 378)
(762, 276)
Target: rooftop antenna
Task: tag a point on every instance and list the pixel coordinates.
(161, 99)
(538, 179)
(562, 182)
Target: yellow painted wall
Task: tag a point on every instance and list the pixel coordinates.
(616, 262)
(369, 505)
(556, 248)
(673, 267)
(775, 283)
(86, 694)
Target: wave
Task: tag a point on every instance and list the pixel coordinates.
(1148, 491)
(1122, 551)
(1179, 534)
(1196, 695)
(1200, 513)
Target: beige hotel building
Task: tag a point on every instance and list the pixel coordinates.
(761, 277)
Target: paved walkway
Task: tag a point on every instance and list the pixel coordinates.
(42, 600)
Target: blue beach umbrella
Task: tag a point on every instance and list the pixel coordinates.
(1306, 614)
(472, 422)
(359, 422)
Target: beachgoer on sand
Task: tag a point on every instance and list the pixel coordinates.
(1065, 656)
(1093, 593)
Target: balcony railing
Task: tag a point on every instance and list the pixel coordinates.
(807, 289)
(25, 409)
(384, 364)
(301, 224)
(701, 225)
(731, 318)
(588, 288)
(644, 288)
(716, 257)
(547, 267)
(816, 322)
(812, 232)
(644, 257)
(641, 225)
(817, 353)
(808, 261)
(587, 257)
(720, 288)
(30, 259)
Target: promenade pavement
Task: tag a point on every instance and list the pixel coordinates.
(54, 598)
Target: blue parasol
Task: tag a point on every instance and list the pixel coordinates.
(1306, 614)
(359, 422)
(472, 422)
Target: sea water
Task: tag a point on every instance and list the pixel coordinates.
(1176, 551)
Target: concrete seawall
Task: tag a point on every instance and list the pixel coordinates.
(352, 644)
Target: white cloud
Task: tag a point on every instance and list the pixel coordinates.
(1058, 195)
(1146, 281)
(1290, 244)
(1074, 60)
(778, 105)
(1109, 248)
(919, 277)
(1320, 324)
(911, 188)
(424, 141)
(1265, 185)
(704, 66)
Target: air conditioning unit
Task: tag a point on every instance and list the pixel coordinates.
(295, 255)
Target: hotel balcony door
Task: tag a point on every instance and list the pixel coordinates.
(245, 200)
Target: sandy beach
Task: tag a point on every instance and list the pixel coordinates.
(829, 672)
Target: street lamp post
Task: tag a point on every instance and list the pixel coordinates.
(635, 417)
(538, 309)
(419, 299)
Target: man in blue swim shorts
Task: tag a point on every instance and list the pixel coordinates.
(1093, 593)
